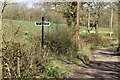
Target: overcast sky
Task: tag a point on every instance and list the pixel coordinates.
(30, 1)
(25, 1)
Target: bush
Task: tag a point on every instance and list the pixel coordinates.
(60, 43)
(63, 45)
(54, 71)
(25, 58)
(115, 29)
(95, 39)
(84, 51)
(31, 59)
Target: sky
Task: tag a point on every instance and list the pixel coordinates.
(30, 3)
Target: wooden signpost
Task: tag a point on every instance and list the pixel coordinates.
(42, 24)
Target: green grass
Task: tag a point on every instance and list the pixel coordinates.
(36, 30)
(29, 26)
(99, 29)
(102, 46)
(105, 32)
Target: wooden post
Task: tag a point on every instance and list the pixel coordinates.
(42, 32)
(78, 24)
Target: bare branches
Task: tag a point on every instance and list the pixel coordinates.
(4, 4)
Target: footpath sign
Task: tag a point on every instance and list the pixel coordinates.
(42, 24)
(45, 23)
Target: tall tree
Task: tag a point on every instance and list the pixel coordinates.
(78, 24)
(95, 14)
(118, 26)
(2, 8)
(70, 13)
(111, 22)
(88, 17)
(89, 9)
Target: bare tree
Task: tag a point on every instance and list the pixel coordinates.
(95, 14)
(88, 19)
(89, 15)
(78, 24)
(118, 26)
(2, 8)
(4, 4)
(111, 22)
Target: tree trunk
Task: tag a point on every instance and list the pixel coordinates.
(88, 20)
(119, 39)
(118, 50)
(96, 27)
(18, 67)
(2, 8)
(96, 22)
(111, 22)
(118, 27)
(1, 46)
(1, 42)
(78, 24)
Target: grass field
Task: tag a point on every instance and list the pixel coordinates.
(31, 28)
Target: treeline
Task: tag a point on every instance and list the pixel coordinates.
(22, 12)
(62, 13)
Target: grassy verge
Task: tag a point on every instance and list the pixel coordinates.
(111, 45)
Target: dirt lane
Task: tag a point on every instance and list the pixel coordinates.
(103, 64)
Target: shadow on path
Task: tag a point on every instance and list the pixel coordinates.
(115, 54)
(100, 66)
(105, 66)
(100, 69)
(109, 49)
